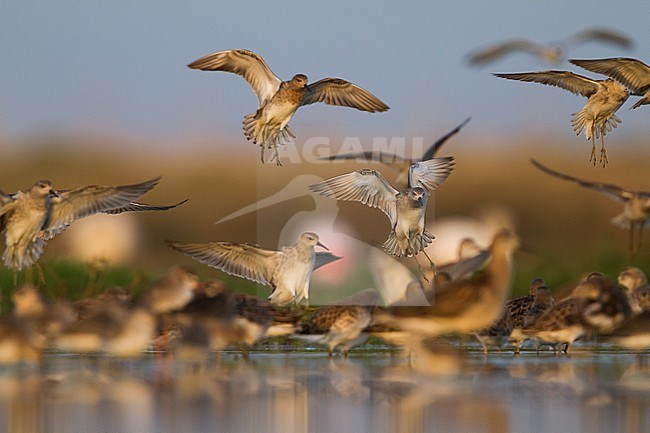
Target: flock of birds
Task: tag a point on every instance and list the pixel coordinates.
(182, 314)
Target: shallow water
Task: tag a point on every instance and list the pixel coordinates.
(374, 390)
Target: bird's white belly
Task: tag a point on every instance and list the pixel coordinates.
(278, 115)
(24, 227)
(409, 223)
(296, 281)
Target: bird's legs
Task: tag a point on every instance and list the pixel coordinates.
(603, 151)
(635, 244)
(421, 269)
(262, 153)
(431, 264)
(41, 274)
(276, 155)
(593, 146)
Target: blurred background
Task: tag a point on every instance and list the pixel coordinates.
(99, 93)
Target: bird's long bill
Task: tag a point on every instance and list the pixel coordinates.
(322, 246)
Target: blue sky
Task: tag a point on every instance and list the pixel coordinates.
(119, 67)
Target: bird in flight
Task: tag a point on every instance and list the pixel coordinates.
(632, 73)
(604, 98)
(551, 53)
(396, 162)
(31, 218)
(636, 205)
(287, 271)
(279, 100)
(406, 209)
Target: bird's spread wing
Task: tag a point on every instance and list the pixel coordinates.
(600, 35)
(5, 206)
(323, 258)
(613, 191)
(435, 147)
(74, 204)
(371, 156)
(431, 173)
(141, 207)
(566, 80)
(632, 73)
(242, 260)
(245, 63)
(496, 51)
(366, 186)
(335, 91)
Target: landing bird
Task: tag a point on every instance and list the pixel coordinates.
(551, 53)
(632, 73)
(636, 205)
(597, 117)
(287, 271)
(396, 162)
(406, 209)
(31, 218)
(461, 306)
(279, 100)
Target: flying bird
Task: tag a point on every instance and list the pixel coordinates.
(31, 218)
(551, 53)
(597, 117)
(636, 204)
(287, 271)
(632, 73)
(406, 209)
(279, 100)
(396, 162)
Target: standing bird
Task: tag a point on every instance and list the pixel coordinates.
(461, 306)
(406, 209)
(342, 324)
(632, 73)
(396, 162)
(496, 334)
(519, 309)
(597, 117)
(279, 100)
(31, 218)
(636, 205)
(287, 271)
(635, 282)
(551, 53)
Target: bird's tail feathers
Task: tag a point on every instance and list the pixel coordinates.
(393, 247)
(621, 221)
(580, 121)
(264, 135)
